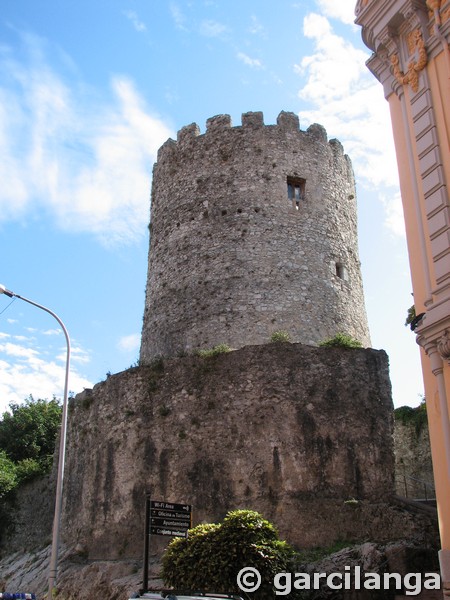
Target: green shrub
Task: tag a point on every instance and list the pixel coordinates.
(213, 554)
(8, 477)
(29, 468)
(416, 416)
(280, 336)
(342, 340)
(219, 349)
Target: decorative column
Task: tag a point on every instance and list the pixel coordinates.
(411, 59)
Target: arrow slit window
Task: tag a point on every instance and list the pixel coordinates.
(296, 191)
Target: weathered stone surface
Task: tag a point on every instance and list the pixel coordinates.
(231, 258)
(290, 430)
(301, 434)
(413, 465)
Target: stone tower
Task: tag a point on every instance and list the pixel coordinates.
(253, 230)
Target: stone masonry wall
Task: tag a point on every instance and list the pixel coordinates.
(289, 430)
(413, 465)
(232, 259)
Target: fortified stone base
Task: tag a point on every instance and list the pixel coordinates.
(301, 434)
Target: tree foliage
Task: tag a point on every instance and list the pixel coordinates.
(416, 416)
(8, 477)
(27, 441)
(29, 430)
(213, 554)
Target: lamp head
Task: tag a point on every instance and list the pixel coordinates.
(3, 290)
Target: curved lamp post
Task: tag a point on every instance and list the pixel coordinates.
(62, 447)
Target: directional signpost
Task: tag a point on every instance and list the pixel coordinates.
(164, 518)
(170, 519)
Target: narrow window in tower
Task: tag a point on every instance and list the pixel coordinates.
(296, 191)
(341, 271)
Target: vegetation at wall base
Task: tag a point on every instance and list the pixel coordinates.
(341, 340)
(213, 554)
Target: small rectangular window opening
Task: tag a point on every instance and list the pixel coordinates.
(341, 271)
(296, 191)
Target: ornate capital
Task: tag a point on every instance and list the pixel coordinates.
(414, 67)
(443, 345)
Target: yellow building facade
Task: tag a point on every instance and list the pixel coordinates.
(411, 59)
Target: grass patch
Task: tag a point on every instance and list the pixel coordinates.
(280, 337)
(214, 351)
(341, 340)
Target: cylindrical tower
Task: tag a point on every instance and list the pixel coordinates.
(253, 230)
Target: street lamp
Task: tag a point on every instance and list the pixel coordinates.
(62, 447)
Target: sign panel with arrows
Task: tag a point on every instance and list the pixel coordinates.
(167, 518)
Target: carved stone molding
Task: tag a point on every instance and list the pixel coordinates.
(443, 345)
(437, 12)
(411, 77)
(361, 4)
(434, 4)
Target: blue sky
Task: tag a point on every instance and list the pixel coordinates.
(90, 90)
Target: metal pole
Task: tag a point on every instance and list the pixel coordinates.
(62, 447)
(146, 544)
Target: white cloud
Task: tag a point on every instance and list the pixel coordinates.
(24, 371)
(178, 16)
(349, 102)
(251, 62)
(394, 219)
(137, 23)
(343, 10)
(256, 27)
(18, 351)
(210, 28)
(77, 355)
(129, 343)
(336, 65)
(87, 165)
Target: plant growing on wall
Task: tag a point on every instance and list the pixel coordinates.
(215, 351)
(280, 336)
(213, 554)
(411, 315)
(416, 416)
(341, 340)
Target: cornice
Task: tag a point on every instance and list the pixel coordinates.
(434, 329)
(405, 34)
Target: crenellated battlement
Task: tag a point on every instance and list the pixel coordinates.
(251, 123)
(253, 230)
